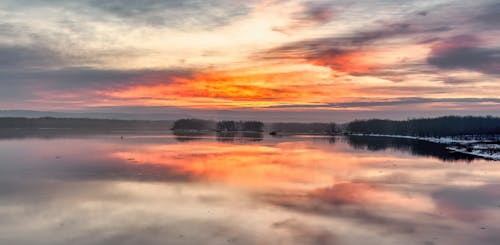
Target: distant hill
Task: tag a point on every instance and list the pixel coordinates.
(94, 115)
(81, 123)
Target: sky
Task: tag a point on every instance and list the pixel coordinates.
(263, 59)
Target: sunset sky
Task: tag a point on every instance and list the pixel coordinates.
(262, 59)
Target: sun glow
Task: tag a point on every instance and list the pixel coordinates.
(243, 87)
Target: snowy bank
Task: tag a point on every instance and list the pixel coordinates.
(476, 145)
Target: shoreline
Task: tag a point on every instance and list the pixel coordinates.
(487, 147)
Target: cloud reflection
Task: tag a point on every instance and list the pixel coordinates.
(155, 189)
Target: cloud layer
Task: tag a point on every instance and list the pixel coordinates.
(260, 55)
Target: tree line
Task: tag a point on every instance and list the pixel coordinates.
(79, 123)
(228, 126)
(305, 128)
(193, 124)
(428, 127)
(220, 126)
(255, 126)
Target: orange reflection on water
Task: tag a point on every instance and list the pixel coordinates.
(243, 165)
(288, 190)
(302, 168)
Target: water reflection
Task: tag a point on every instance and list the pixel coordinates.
(53, 133)
(415, 147)
(157, 189)
(239, 136)
(183, 136)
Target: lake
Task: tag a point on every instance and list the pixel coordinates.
(160, 188)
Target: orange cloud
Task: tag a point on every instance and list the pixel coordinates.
(244, 87)
(248, 87)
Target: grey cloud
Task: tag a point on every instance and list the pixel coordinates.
(451, 80)
(393, 102)
(399, 72)
(104, 78)
(318, 12)
(45, 55)
(14, 92)
(316, 48)
(90, 78)
(19, 87)
(7, 30)
(331, 47)
(172, 13)
(392, 30)
(24, 46)
(422, 26)
(490, 15)
(422, 13)
(175, 13)
(485, 60)
(383, 31)
(22, 57)
(312, 14)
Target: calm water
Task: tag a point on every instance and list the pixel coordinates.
(173, 189)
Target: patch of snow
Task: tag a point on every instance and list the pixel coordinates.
(486, 146)
(467, 144)
(493, 155)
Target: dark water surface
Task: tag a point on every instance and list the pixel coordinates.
(151, 188)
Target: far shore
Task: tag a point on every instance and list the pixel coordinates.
(484, 146)
(472, 135)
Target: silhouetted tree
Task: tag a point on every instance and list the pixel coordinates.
(298, 128)
(332, 129)
(193, 124)
(253, 126)
(428, 127)
(227, 126)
